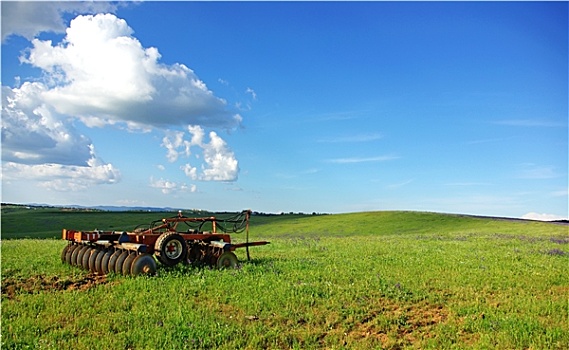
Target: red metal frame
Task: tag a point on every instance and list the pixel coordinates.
(148, 237)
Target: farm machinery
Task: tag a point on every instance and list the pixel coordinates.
(170, 241)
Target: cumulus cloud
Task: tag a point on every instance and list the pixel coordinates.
(60, 177)
(33, 133)
(543, 217)
(103, 75)
(172, 141)
(29, 18)
(168, 187)
(221, 164)
(39, 144)
(218, 163)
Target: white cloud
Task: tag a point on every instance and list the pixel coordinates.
(218, 161)
(169, 187)
(103, 75)
(172, 141)
(32, 133)
(60, 177)
(164, 185)
(197, 134)
(42, 146)
(190, 171)
(252, 92)
(29, 18)
(221, 164)
(543, 217)
(190, 188)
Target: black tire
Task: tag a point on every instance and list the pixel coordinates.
(120, 261)
(113, 260)
(86, 257)
(128, 264)
(170, 248)
(144, 264)
(105, 261)
(227, 260)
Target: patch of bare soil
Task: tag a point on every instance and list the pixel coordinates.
(396, 325)
(13, 286)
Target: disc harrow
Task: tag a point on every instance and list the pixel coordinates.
(169, 241)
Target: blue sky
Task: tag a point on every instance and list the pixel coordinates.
(291, 106)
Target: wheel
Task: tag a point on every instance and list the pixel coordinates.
(82, 251)
(170, 248)
(69, 253)
(86, 257)
(128, 264)
(64, 252)
(113, 260)
(120, 261)
(93, 259)
(144, 264)
(105, 261)
(227, 260)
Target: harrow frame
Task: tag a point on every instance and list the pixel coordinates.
(133, 253)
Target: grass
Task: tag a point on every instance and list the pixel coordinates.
(353, 281)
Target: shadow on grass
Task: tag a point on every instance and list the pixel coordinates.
(193, 268)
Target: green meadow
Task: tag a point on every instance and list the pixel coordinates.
(376, 280)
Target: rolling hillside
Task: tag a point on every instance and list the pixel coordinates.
(389, 280)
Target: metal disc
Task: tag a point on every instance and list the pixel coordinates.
(120, 261)
(69, 253)
(113, 260)
(79, 259)
(75, 254)
(64, 252)
(105, 261)
(93, 259)
(99, 260)
(86, 257)
(227, 260)
(128, 264)
(144, 264)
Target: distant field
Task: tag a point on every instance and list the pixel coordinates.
(352, 281)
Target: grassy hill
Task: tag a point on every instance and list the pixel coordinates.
(356, 281)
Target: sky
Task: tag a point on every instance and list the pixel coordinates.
(326, 107)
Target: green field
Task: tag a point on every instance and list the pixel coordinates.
(347, 281)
